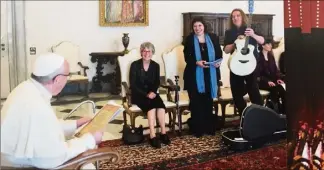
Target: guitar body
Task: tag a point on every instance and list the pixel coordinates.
(242, 62)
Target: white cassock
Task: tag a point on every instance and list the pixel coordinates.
(31, 134)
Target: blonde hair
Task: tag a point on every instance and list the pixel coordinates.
(148, 45)
(244, 18)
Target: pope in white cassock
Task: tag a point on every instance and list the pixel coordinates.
(31, 134)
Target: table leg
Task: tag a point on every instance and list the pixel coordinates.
(116, 80)
(96, 80)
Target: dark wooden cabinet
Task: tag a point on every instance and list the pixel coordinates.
(113, 78)
(218, 23)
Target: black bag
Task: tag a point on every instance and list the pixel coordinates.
(132, 136)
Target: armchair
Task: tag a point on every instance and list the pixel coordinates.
(71, 52)
(131, 109)
(84, 158)
(174, 65)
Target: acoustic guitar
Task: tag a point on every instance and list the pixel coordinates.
(243, 62)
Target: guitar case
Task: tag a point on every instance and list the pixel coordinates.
(258, 126)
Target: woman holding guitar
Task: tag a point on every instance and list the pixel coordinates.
(238, 28)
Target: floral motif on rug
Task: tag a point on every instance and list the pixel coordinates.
(183, 151)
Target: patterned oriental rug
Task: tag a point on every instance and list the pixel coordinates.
(188, 152)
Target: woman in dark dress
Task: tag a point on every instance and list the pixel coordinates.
(270, 77)
(144, 83)
(201, 79)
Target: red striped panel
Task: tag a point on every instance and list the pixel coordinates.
(305, 8)
(317, 12)
(292, 19)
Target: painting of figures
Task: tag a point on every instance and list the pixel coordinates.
(123, 12)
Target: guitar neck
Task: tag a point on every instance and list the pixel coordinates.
(249, 24)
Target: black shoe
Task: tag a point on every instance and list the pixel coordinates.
(155, 142)
(165, 139)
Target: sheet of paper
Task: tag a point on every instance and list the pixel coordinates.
(216, 61)
(104, 116)
(283, 85)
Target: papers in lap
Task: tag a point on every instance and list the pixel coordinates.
(283, 85)
(105, 115)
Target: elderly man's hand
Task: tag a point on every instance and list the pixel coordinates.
(83, 121)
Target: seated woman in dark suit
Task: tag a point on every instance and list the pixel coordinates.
(270, 77)
(144, 78)
(201, 79)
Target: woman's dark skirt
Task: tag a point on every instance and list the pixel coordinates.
(146, 104)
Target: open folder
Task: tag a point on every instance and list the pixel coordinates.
(104, 116)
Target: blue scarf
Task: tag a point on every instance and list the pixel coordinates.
(200, 71)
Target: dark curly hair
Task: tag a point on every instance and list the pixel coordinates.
(201, 20)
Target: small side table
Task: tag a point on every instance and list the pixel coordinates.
(113, 78)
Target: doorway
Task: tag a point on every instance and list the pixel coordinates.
(5, 80)
(13, 49)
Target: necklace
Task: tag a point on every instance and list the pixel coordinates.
(202, 47)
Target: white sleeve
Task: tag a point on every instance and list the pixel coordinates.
(50, 148)
(69, 127)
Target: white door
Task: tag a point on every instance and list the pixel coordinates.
(5, 81)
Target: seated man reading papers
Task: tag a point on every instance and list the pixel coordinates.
(31, 134)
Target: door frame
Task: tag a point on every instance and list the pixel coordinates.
(16, 34)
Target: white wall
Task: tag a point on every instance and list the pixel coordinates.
(49, 22)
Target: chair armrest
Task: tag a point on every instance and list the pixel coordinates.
(90, 156)
(125, 85)
(170, 86)
(220, 83)
(84, 68)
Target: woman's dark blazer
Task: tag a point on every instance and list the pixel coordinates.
(189, 75)
(267, 72)
(140, 88)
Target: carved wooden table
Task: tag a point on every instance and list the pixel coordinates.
(113, 78)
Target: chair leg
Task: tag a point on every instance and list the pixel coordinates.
(223, 108)
(174, 120)
(170, 118)
(180, 123)
(235, 110)
(133, 120)
(87, 90)
(125, 117)
(216, 109)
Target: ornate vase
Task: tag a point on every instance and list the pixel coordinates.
(125, 41)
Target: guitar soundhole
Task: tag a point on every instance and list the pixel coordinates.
(245, 51)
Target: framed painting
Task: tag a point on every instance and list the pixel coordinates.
(123, 13)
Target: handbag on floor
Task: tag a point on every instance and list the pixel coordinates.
(133, 136)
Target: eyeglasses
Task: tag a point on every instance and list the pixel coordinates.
(66, 75)
(146, 51)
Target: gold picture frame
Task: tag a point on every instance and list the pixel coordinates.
(118, 18)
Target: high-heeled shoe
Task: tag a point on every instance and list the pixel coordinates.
(164, 138)
(155, 143)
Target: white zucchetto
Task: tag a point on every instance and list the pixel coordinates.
(47, 63)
